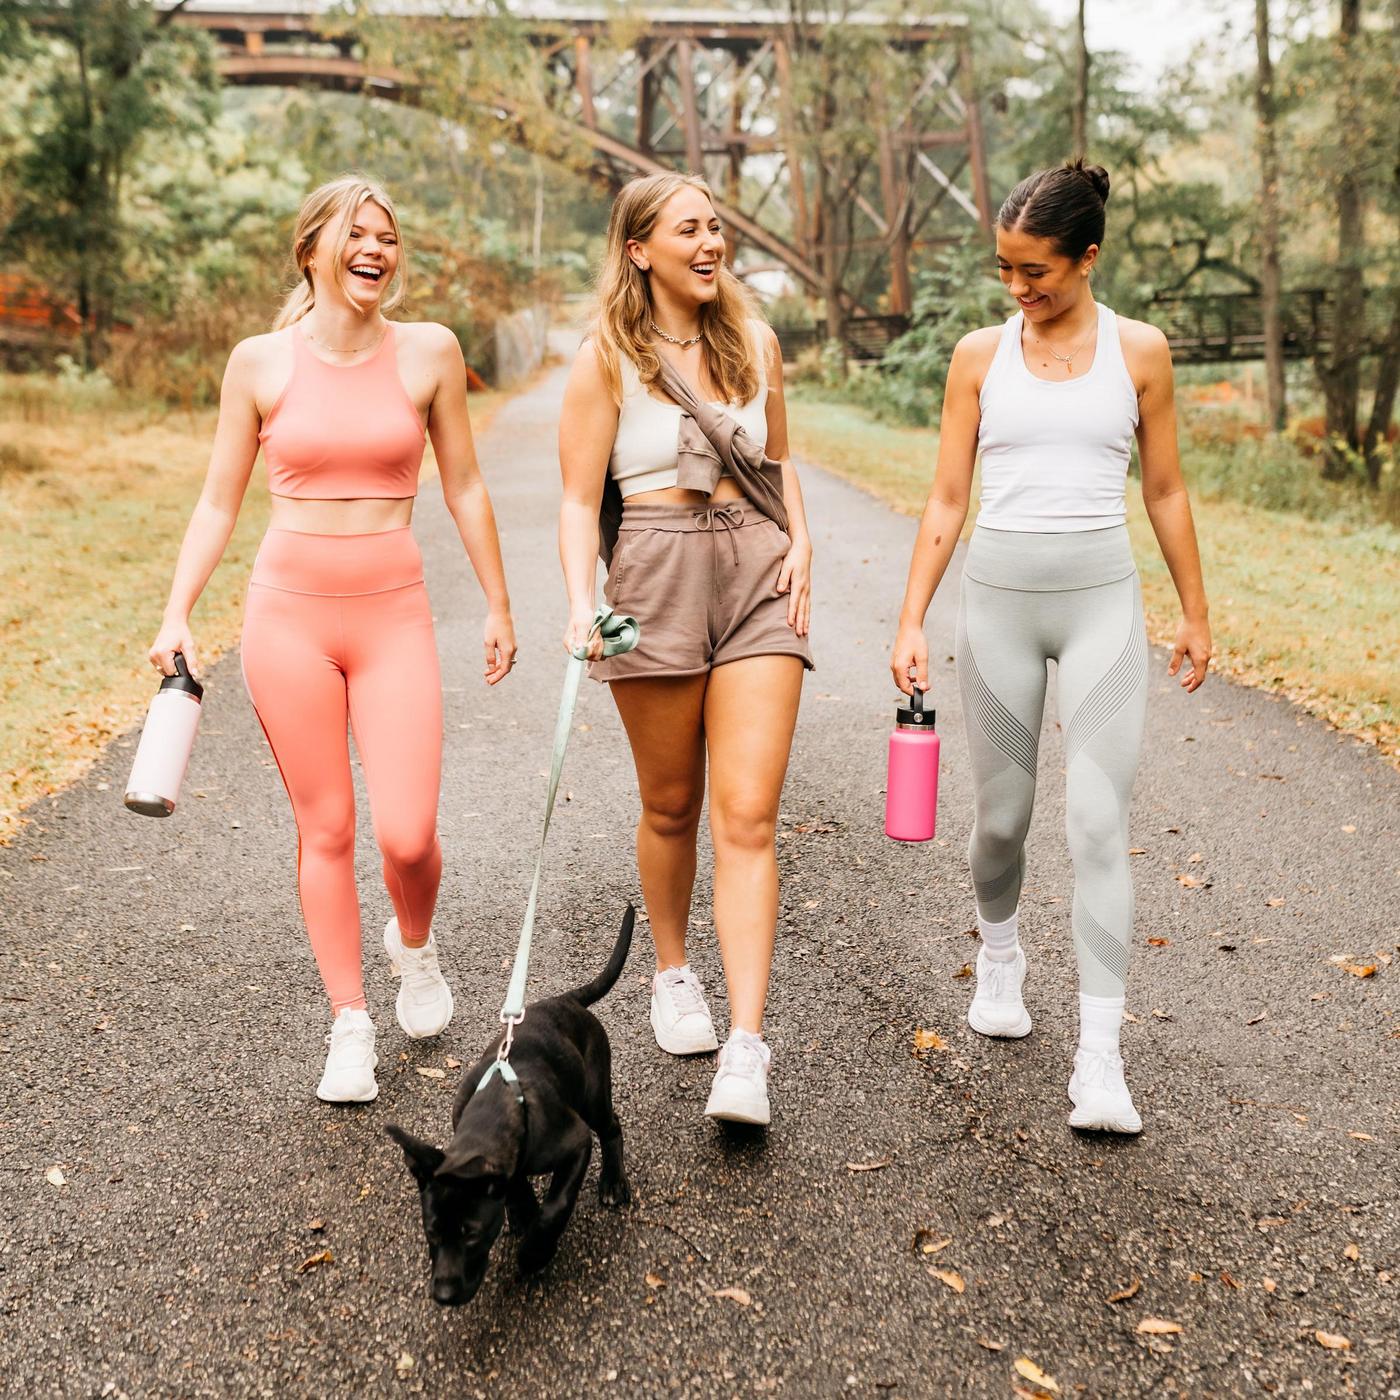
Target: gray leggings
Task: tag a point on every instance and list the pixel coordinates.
(1072, 598)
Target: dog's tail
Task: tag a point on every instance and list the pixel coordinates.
(602, 984)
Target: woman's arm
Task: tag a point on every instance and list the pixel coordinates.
(1164, 495)
(464, 491)
(947, 505)
(587, 427)
(216, 512)
(795, 575)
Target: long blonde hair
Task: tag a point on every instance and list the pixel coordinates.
(337, 199)
(622, 325)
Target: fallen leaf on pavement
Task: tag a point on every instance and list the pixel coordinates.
(1274, 903)
(316, 1226)
(964, 971)
(1349, 829)
(1189, 881)
(1195, 858)
(1028, 1370)
(1124, 1294)
(869, 1166)
(1021, 1393)
(735, 1295)
(949, 1279)
(1333, 1341)
(312, 1260)
(1361, 1137)
(1269, 1286)
(928, 1040)
(1352, 1252)
(988, 1345)
(452, 1064)
(1358, 969)
(1158, 1326)
(1254, 1021)
(1137, 850)
(1160, 1014)
(404, 1364)
(54, 1176)
(655, 1281)
(936, 1246)
(1128, 1016)
(431, 1072)
(1159, 942)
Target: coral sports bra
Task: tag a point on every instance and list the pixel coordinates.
(343, 432)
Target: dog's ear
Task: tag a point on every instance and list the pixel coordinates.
(422, 1157)
(478, 1168)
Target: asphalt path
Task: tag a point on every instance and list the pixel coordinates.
(913, 1224)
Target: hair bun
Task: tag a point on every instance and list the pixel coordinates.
(1096, 175)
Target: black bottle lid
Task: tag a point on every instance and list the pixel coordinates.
(913, 715)
(182, 680)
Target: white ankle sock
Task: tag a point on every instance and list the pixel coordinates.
(1000, 940)
(1100, 1020)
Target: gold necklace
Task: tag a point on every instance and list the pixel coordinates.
(1068, 360)
(342, 350)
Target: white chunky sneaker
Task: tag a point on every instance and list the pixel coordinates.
(1100, 1094)
(424, 1004)
(740, 1091)
(997, 1008)
(349, 1072)
(680, 1015)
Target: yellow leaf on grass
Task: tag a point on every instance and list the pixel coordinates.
(1124, 1294)
(928, 1040)
(735, 1295)
(1158, 1326)
(313, 1260)
(1028, 1370)
(1333, 1341)
(949, 1279)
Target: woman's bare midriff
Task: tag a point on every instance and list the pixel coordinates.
(726, 489)
(364, 516)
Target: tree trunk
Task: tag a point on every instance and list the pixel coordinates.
(1270, 277)
(1079, 116)
(1341, 376)
(1383, 405)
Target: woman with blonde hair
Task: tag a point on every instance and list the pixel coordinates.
(673, 446)
(338, 625)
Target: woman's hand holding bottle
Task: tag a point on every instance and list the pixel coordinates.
(910, 654)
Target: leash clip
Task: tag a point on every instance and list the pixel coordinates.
(510, 1023)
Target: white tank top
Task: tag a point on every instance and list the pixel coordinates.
(1055, 452)
(644, 450)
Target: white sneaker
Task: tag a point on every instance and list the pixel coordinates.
(1100, 1094)
(349, 1072)
(424, 1004)
(680, 1015)
(740, 1091)
(997, 1008)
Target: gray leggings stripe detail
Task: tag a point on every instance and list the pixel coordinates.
(1111, 693)
(1001, 726)
(1072, 599)
(1091, 936)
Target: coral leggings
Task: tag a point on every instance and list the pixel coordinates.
(338, 628)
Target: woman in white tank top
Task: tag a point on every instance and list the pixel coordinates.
(1054, 400)
(716, 570)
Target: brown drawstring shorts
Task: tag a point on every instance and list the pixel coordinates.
(702, 583)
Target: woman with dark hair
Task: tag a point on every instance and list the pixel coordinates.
(1053, 400)
(673, 446)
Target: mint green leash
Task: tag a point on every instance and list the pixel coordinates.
(620, 634)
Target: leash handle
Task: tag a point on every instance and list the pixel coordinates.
(620, 634)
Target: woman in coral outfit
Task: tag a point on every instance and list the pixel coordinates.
(338, 626)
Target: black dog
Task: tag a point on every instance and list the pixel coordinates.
(510, 1132)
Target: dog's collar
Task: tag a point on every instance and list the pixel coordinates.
(502, 1067)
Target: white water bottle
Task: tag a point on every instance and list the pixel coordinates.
(166, 741)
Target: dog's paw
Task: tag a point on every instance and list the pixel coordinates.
(615, 1193)
(536, 1250)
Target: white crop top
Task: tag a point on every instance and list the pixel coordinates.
(1055, 452)
(644, 450)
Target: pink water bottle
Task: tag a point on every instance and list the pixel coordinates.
(911, 783)
(166, 741)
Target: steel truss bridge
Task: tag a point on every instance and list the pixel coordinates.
(705, 90)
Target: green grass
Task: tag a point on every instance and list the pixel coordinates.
(95, 494)
(1306, 607)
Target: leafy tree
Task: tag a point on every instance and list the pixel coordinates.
(110, 75)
